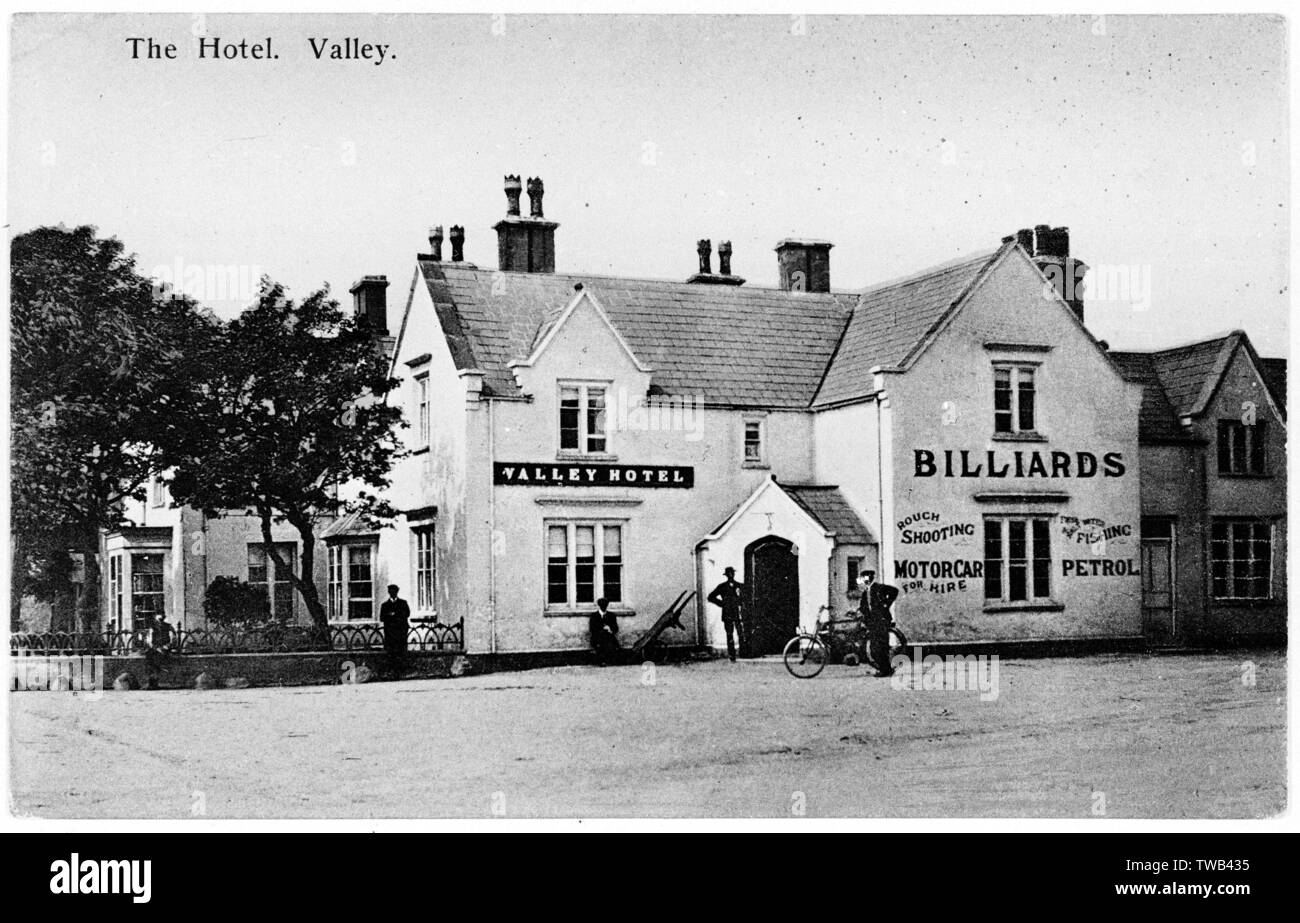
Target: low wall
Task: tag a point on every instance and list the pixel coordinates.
(233, 670)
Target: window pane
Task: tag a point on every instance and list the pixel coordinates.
(612, 569)
(584, 571)
(1002, 400)
(1257, 441)
(753, 441)
(1238, 448)
(557, 564)
(360, 587)
(1225, 446)
(1042, 559)
(992, 559)
(146, 586)
(595, 419)
(257, 571)
(569, 406)
(1026, 399)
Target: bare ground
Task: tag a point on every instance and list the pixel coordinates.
(1131, 735)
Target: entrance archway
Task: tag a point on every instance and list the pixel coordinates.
(772, 588)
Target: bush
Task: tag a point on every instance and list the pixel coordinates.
(231, 602)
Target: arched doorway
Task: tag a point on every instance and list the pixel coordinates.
(772, 588)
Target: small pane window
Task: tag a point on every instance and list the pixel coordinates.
(584, 561)
(1014, 399)
(1242, 447)
(582, 418)
(1017, 558)
(753, 441)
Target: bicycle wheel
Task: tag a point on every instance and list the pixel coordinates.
(897, 642)
(805, 656)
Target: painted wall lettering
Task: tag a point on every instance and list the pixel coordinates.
(587, 475)
(938, 570)
(1093, 530)
(995, 463)
(1099, 567)
(928, 536)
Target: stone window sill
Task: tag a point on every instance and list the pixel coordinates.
(570, 613)
(1033, 605)
(1019, 437)
(570, 456)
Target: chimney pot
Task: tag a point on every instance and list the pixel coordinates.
(513, 189)
(724, 258)
(1025, 237)
(535, 192)
(457, 243)
(435, 242)
(705, 249)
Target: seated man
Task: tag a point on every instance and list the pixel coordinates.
(604, 632)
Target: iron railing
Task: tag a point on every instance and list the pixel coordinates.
(263, 639)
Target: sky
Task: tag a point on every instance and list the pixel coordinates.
(1160, 141)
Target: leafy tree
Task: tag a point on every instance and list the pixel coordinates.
(288, 407)
(95, 362)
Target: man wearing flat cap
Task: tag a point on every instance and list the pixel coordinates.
(727, 596)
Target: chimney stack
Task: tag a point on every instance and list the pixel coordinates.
(805, 265)
(525, 244)
(1050, 249)
(706, 275)
(435, 242)
(370, 303)
(457, 244)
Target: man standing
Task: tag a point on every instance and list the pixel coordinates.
(604, 632)
(727, 595)
(396, 616)
(874, 605)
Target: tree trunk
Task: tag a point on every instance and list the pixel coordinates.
(304, 583)
(17, 582)
(310, 593)
(88, 607)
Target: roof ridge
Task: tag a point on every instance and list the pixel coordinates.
(934, 270)
(1192, 344)
(692, 286)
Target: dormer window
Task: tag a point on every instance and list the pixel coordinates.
(582, 418)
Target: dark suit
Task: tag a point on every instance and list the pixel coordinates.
(727, 596)
(604, 634)
(874, 606)
(396, 616)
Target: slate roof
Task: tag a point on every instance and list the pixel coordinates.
(826, 505)
(1177, 382)
(1157, 420)
(745, 346)
(891, 320)
(351, 524)
(1185, 370)
(1275, 377)
(733, 345)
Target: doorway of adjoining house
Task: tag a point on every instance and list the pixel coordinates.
(772, 588)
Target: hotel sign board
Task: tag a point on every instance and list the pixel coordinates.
(586, 474)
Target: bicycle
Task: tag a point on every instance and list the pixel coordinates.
(807, 653)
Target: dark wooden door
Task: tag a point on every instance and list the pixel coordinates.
(1158, 579)
(772, 583)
